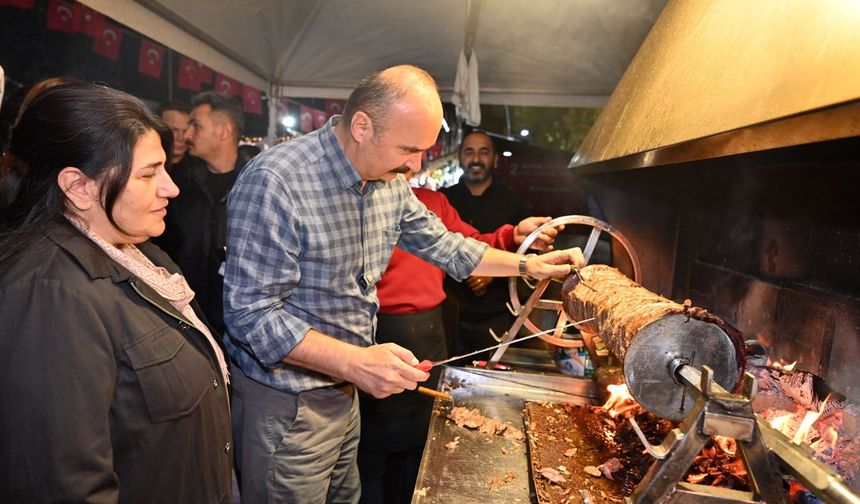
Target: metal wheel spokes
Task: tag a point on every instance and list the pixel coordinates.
(537, 301)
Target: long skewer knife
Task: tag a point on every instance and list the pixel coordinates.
(426, 365)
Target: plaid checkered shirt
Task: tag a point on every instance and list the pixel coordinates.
(306, 247)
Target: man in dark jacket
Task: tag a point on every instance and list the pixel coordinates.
(177, 117)
(485, 203)
(196, 222)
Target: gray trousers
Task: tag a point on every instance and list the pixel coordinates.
(295, 448)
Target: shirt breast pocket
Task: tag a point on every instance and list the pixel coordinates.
(173, 376)
(379, 262)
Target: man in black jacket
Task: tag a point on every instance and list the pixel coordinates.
(196, 222)
(486, 204)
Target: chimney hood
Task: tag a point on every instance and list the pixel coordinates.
(722, 77)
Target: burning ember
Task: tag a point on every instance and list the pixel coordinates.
(788, 402)
(817, 425)
(580, 441)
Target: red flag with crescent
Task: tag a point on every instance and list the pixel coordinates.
(320, 118)
(224, 84)
(61, 16)
(205, 74)
(306, 119)
(151, 59)
(189, 74)
(88, 21)
(251, 100)
(108, 42)
(334, 107)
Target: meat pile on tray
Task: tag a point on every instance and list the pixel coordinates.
(473, 419)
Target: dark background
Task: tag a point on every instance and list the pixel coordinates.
(29, 53)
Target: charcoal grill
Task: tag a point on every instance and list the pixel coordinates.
(680, 366)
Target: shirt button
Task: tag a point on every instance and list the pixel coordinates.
(227, 448)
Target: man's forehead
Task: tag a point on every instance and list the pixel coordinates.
(175, 113)
(174, 117)
(477, 141)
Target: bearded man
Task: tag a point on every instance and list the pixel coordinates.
(486, 204)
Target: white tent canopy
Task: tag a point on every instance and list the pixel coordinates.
(564, 53)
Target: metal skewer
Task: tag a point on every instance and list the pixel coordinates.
(425, 365)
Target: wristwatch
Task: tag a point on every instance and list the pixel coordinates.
(522, 265)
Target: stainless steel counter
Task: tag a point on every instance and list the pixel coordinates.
(466, 473)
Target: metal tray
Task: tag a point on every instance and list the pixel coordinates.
(465, 474)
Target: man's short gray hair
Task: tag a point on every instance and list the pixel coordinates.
(378, 92)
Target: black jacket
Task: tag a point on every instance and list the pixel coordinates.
(498, 205)
(109, 394)
(196, 236)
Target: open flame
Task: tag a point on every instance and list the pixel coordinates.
(827, 440)
(620, 400)
(783, 365)
(801, 435)
(803, 431)
(727, 444)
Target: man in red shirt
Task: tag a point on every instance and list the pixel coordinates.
(394, 429)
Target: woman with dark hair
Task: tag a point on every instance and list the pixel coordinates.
(11, 177)
(113, 388)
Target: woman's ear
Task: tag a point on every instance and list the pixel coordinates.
(79, 189)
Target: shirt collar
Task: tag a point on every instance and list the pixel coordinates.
(346, 174)
(92, 259)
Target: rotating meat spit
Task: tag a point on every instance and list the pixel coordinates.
(679, 362)
(648, 333)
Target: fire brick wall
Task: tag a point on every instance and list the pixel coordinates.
(770, 241)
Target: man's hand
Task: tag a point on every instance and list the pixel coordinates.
(382, 370)
(379, 370)
(544, 240)
(559, 263)
(479, 284)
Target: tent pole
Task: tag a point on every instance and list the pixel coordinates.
(272, 102)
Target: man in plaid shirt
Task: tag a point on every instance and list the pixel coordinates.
(311, 226)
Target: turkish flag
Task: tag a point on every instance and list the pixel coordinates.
(251, 101)
(224, 84)
(21, 4)
(205, 74)
(334, 107)
(61, 16)
(189, 74)
(306, 119)
(108, 42)
(151, 59)
(88, 21)
(319, 119)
